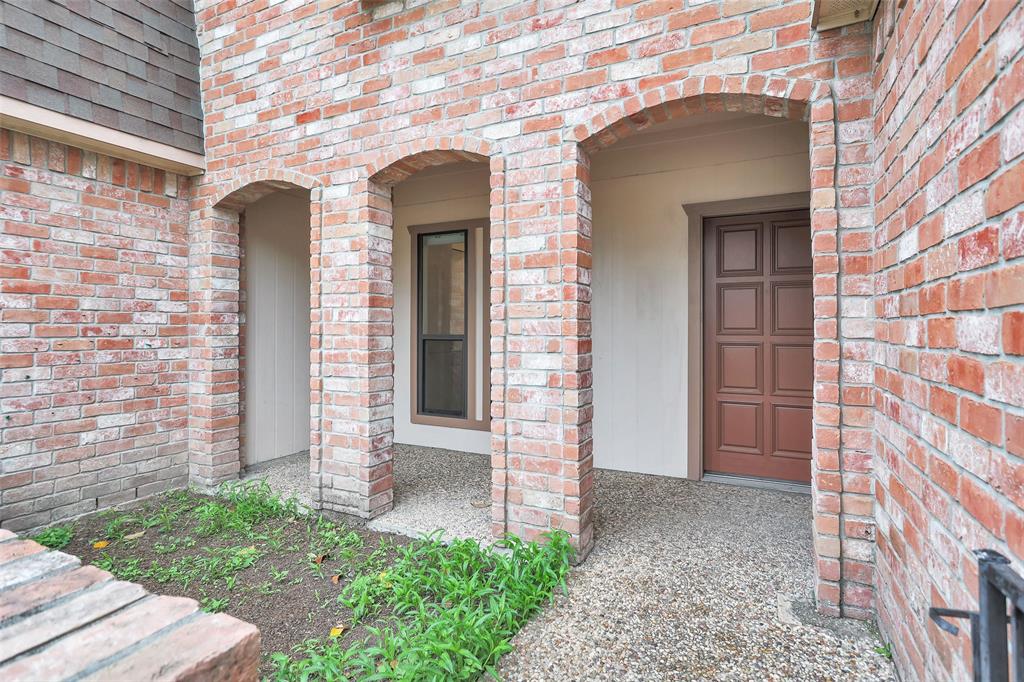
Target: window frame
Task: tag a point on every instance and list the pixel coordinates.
(477, 270)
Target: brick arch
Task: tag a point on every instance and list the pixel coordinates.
(777, 96)
(843, 578)
(253, 185)
(399, 162)
(357, 457)
(216, 321)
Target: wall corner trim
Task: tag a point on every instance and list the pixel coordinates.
(34, 120)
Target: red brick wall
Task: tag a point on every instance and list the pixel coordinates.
(949, 259)
(353, 98)
(93, 336)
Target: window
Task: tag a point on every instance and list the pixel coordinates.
(450, 279)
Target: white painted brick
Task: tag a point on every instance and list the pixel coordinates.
(1012, 136)
(427, 84)
(591, 8)
(603, 22)
(978, 334)
(466, 44)
(634, 68)
(636, 31)
(963, 212)
(517, 45)
(908, 244)
(500, 131)
(730, 65)
(408, 46)
(534, 498)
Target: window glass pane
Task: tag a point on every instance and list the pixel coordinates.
(444, 378)
(443, 283)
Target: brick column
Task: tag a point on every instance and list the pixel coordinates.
(576, 263)
(498, 321)
(213, 353)
(842, 465)
(356, 345)
(855, 224)
(826, 476)
(545, 382)
(315, 345)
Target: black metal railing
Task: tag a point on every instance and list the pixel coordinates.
(991, 647)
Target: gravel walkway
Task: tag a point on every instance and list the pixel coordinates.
(687, 581)
(693, 581)
(435, 489)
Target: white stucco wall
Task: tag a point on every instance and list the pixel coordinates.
(640, 277)
(277, 327)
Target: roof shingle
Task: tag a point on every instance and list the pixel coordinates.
(132, 65)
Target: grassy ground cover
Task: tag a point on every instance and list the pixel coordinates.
(332, 602)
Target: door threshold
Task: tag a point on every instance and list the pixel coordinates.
(764, 483)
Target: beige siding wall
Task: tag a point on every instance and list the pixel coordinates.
(277, 328)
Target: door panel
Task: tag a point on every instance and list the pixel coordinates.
(739, 368)
(741, 427)
(793, 369)
(792, 309)
(738, 252)
(740, 309)
(758, 345)
(791, 252)
(792, 431)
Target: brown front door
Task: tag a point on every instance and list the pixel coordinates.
(758, 345)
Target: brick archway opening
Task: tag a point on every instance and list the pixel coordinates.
(380, 321)
(218, 324)
(394, 167)
(843, 578)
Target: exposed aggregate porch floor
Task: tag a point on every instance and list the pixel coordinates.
(435, 489)
(687, 580)
(439, 489)
(288, 476)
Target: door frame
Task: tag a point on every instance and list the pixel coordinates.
(695, 215)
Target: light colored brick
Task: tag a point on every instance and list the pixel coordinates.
(35, 594)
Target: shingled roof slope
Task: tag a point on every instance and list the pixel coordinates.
(131, 65)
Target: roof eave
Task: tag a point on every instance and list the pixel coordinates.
(28, 118)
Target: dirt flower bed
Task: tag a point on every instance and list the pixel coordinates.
(331, 602)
